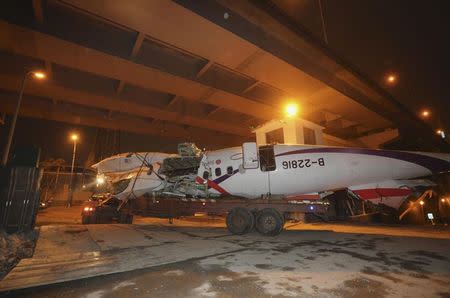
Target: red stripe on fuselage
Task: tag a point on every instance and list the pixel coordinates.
(375, 193)
(212, 184)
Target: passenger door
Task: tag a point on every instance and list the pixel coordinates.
(267, 163)
(251, 181)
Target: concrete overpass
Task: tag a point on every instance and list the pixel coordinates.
(205, 71)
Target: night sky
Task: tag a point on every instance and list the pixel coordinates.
(53, 138)
(408, 38)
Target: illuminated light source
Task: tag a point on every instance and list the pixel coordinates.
(100, 180)
(291, 110)
(425, 113)
(39, 75)
(443, 200)
(391, 78)
(421, 203)
(86, 208)
(441, 133)
(74, 138)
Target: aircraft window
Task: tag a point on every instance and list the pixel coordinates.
(205, 175)
(230, 170)
(218, 172)
(267, 158)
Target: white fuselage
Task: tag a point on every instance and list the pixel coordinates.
(290, 171)
(127, 162)
(304, 169)
(137, 182)
(134, 174)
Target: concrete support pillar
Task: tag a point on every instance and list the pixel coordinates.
(261, 138)
(293, 131)
(290, 133)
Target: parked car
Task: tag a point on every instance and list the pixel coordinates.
(44, 205)
(104, 210)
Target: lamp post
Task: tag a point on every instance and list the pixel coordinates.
(38, 75)
(74, 138)
(422, 214)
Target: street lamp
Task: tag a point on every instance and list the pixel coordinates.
(291, 110)
(74, 137)
(425, 113)
(391, 79)
(37, 75)
(441, 133)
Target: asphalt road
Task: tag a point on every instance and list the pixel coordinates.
(320, 260)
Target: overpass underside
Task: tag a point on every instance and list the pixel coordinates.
(202, 71)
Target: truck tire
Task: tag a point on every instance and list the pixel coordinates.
(240, 221)
(269, 222)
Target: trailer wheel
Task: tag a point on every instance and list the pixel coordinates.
(269, 222)
(240, 221)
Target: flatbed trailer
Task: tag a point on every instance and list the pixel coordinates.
(267, 216)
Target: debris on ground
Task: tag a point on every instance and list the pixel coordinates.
(14, 247)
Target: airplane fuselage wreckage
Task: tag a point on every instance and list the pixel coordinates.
(292, 173)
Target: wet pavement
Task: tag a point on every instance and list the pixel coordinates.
(320, 260)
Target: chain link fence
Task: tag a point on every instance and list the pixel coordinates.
(55, 185)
